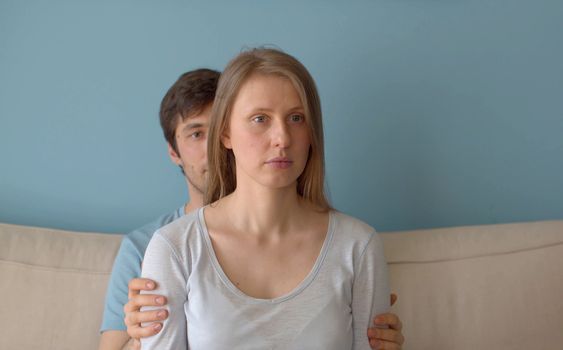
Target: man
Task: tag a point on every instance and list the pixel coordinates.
(184, 118)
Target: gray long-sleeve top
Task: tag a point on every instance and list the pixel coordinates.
(330, 309)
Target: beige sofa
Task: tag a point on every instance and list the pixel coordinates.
(479, 287)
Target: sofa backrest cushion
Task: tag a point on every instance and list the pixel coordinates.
(479, 287)
(53, 286)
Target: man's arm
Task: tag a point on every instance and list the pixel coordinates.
(127, 265)
(114, 340)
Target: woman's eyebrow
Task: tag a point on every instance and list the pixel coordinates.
(269, 110)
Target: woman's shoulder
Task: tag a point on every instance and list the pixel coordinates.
(353, 238)
(353, 228)
(182, 229)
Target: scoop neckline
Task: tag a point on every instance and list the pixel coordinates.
(291, 294)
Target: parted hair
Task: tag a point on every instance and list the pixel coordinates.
(221, 179)
(190, 95)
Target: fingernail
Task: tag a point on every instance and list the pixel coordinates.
(160, 300)
(157, 327)
(161, 314)
(150, 285)
(379, 320)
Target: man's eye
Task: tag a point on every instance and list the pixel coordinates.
(259, 119)
(196, 135)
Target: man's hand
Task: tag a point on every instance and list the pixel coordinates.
(386, 338)
(133, 315)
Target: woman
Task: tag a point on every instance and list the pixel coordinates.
(267, 264)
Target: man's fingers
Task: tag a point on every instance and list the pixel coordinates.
(138, 284)
(386, 338)
(136, 302)
(394, 298)
(143, 332)
(136, 318)
(386, 335)
(384, 345)
(388, 319)
(374, 344)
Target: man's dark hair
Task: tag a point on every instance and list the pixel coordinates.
(190, 95)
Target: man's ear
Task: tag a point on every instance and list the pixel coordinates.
(174, 156)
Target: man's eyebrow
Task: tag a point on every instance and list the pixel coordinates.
(193, 126)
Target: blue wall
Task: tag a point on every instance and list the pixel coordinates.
(437, 113)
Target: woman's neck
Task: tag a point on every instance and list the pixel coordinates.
(262, 211)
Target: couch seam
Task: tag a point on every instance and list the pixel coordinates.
(52, 268)
(402, 262)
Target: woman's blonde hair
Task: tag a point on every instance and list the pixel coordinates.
(221, 180)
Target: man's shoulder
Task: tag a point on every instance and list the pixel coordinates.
(140, 237)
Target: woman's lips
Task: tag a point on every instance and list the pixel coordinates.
(280, 162)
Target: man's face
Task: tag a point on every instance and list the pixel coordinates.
(191, 142)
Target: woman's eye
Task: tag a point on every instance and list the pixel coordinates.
(296, 118)
(259, 119)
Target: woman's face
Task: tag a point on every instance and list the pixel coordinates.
(268, 133)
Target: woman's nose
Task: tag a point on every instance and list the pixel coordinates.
(280, 135)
